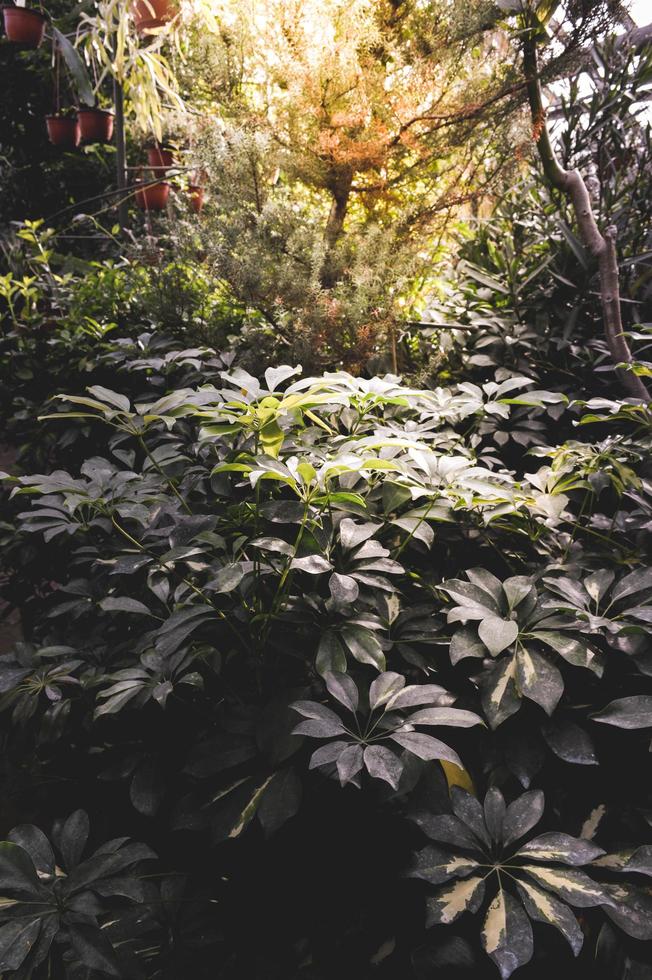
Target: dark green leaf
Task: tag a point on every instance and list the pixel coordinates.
(634, 712)
(522, 815)
(381, 763)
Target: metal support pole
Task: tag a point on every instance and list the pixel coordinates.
(121, 153)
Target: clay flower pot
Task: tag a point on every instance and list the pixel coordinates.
(154, 197)
(23, 26)
(95, 125)
(196, 197)
(160, 156)
(152, 14)
(63, 131)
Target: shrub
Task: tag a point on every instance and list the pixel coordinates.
(256, 591)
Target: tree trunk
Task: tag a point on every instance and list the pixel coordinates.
(341, 191)
(602, 246)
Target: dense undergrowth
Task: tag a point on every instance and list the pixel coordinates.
(241, 592)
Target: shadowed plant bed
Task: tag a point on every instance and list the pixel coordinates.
(365, 691)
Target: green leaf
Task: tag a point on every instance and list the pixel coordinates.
(349, 763)
(364, 646)
(507, 934)
(632, 713)
(93, 948)
(516, 589)
(226, 579)
(271, 438)
(319, 727)
(312, 564)
(570, 742)
(454, 717)
(71, 838)
(384, 687)
(522, 815)
(110, 397)
(343, 689)
(637, 581)
(17, 871)
(331, 657)
(280, 800)
(573, 651)
(466, 643)
(124, 604)
(16, 941)
(497, 634)
(426, 747)
(75, 66)
(35, 843)
(381, 763)
(343, 588)
(494, 813)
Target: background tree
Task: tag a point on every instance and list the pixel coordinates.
(347, 137)
(599, 242)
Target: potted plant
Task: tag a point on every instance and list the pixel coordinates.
(63, 129)
(152, 197)
(95, 125)
(196, 197)
(161, 157)
(62, 124)
(23, 25)
(149, 15)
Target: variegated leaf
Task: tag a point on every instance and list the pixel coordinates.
(544, 907)
(631, 909)
(507, 934)
(437, 866)
(538, 679)
(452, 900)
(560, 847)
(573, 886)
(500, 696)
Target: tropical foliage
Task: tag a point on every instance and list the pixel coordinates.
(326, 514)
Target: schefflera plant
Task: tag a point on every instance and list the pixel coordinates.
(375, 719)
(485, 857)
(521, 635)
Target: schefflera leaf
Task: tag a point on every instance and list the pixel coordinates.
(490, 857)
(507, 934)
(378, 737)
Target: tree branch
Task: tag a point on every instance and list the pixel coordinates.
(601, 246)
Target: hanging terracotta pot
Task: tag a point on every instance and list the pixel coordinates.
(160, 156)
(23, 26)
(152, 14)
(63, 131)
(196, 197)
(154, 197)
(95, 125)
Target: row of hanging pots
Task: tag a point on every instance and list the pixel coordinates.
(23, 26)
(88, 125)
(154, 197)
(26, 26)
